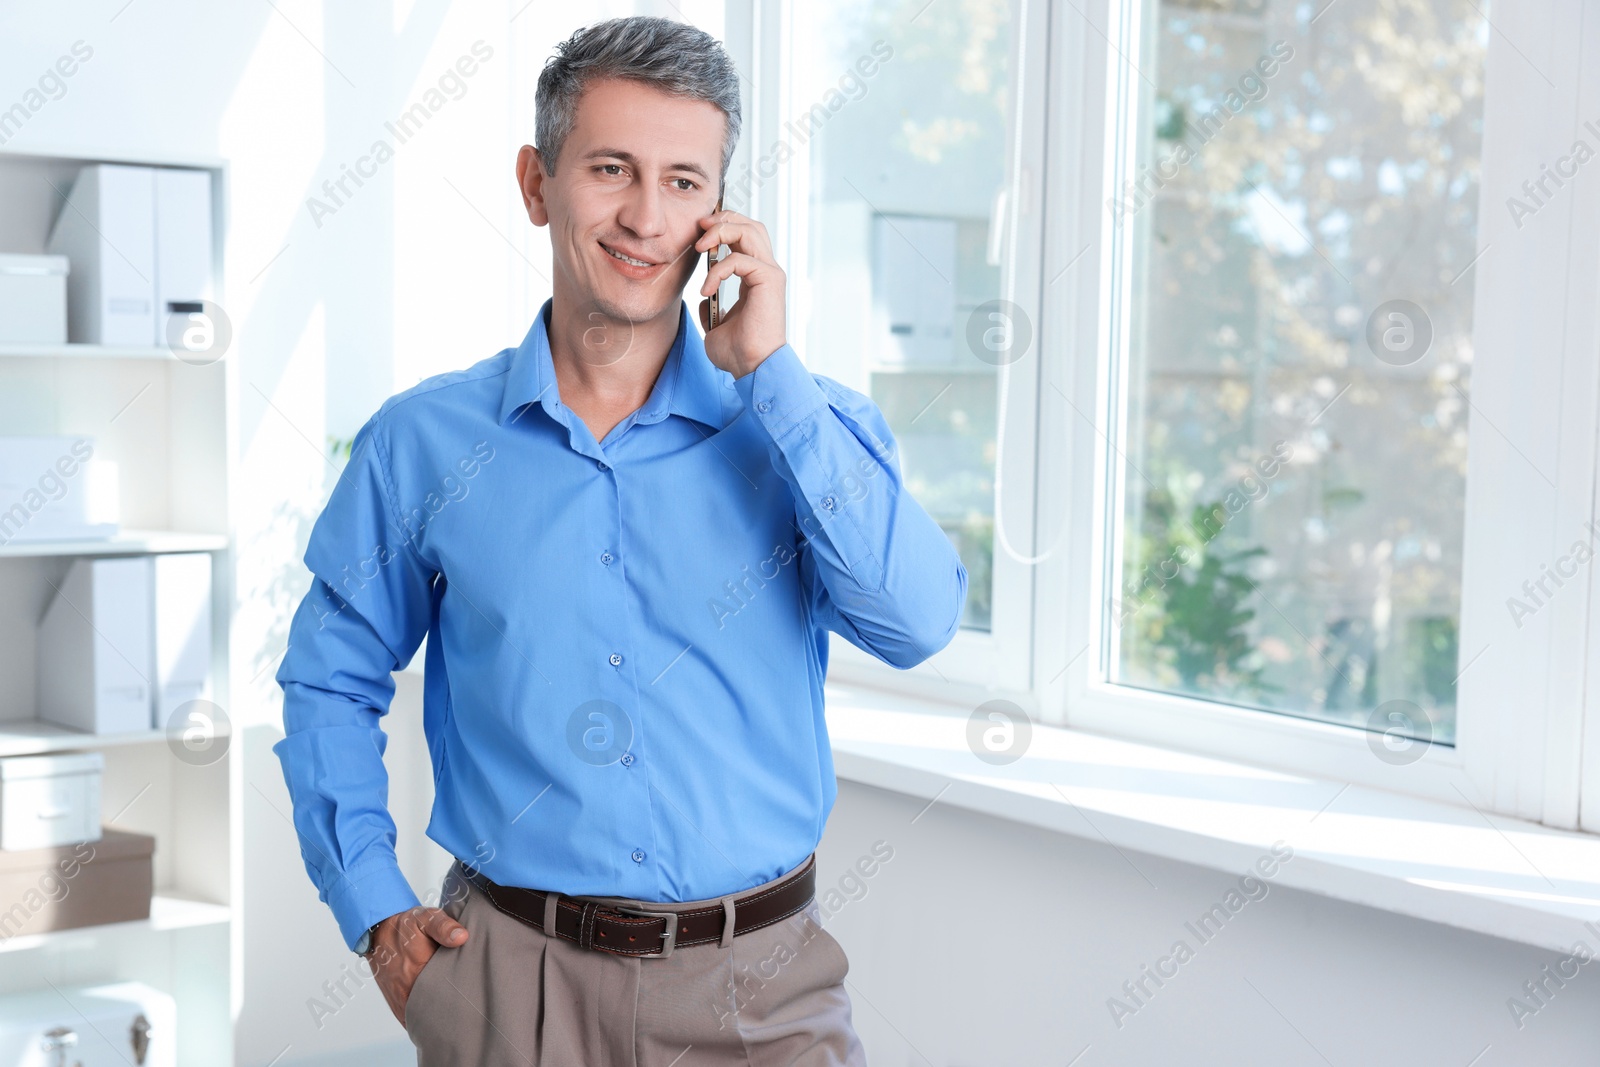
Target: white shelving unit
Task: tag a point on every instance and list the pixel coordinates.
(170, 426)
(166, 914)
(31, 737)
(126, 543)
(82, 351)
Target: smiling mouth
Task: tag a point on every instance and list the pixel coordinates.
(626, 258)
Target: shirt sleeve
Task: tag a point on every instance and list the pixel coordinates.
(891, 581)
(368, 609)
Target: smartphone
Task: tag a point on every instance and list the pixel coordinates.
(720, 296)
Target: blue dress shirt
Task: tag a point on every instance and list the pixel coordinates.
(626, 639)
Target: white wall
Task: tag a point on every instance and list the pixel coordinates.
(943, 972)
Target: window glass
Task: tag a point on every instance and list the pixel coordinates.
(901, 112)
(1301, 215)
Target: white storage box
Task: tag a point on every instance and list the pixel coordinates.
(47, 801)
(33, 299)
(53, 489)
(126, 645)
(94, 650)
(139, 239)
(119, 1025)
(107, 228)
(181, 632)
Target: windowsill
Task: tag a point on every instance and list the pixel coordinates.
(1493, 875)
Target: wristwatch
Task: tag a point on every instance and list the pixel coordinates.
(364, 942)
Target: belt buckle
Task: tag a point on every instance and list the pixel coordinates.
(670, 937)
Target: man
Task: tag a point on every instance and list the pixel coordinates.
(625, 545)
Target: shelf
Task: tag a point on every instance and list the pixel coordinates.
(93, 153)
(78, 351)
(974, 368)
(34, 737)
(166, 913)
(126, 543)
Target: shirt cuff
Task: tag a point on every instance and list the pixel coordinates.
(781, 392)
(367, 895)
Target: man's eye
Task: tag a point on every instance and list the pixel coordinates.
(685, 182)
(611, 166)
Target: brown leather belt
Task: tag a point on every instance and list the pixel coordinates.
(649, 934)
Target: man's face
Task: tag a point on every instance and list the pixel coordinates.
(637, 172)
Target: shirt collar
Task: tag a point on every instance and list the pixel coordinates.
(688, 385)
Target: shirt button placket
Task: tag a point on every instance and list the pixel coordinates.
(609, 554)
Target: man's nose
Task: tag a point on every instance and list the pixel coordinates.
(642, 210)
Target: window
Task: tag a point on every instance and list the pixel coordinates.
(1396, 538)
(907, 120)
(902, 160)
(1301, 217)
(1311, 398)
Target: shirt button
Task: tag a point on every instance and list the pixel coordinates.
(763, 407)
(602, 465)
(616, 659)
(606, 558)
(627, 759)
(827, 503)
(638, 855)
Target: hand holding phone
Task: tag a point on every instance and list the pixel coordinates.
(740, 335)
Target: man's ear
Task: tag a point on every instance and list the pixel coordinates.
(530, 179)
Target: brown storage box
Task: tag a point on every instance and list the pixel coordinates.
(94, 882)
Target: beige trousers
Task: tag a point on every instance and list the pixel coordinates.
(512, 995)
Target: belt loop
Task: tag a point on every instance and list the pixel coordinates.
(591, 910)
(727, 922)
(550, 899)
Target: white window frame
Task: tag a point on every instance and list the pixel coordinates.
(1522, 748)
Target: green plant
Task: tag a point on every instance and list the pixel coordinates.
(1195, 624)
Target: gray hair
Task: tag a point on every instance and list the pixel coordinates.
(671, 56)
